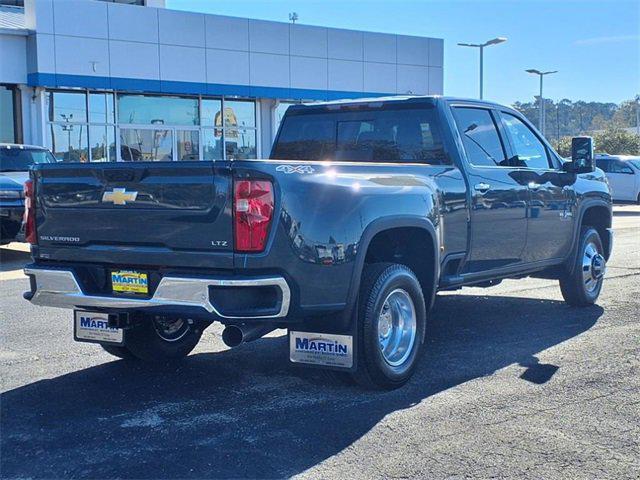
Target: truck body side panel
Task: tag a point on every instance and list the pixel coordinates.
(326, 207)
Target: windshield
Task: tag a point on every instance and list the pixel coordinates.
(635, 163)
(20, 159)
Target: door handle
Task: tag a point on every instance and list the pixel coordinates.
(534, 186)
(482, 187)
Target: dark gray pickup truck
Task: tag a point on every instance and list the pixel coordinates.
(363, 212)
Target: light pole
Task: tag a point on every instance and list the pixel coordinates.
(638, 115)
(68, 127)
(541, 122)
(494, 41)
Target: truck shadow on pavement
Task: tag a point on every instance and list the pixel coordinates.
(11, 259)
(248, 412)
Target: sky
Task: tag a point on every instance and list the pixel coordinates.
(594, 44)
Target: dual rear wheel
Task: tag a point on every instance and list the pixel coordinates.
(158, 339)
(392, 320)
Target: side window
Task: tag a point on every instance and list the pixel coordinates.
(399, 136)
(530, 151)
(602, 164)
(480, 137)
(620, 167)
(308, 137)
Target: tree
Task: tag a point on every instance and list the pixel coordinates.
(567, 118)
(614, 141)
(563, 147)
(617, 141)
(627, 113)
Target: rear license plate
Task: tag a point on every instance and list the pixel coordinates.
(129, 281)
(94, 327)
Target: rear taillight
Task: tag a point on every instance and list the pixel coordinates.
(252, 214)
(29, 218)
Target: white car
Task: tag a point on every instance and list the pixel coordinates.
(623, 173)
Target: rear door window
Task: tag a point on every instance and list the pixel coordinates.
(480, 137)
(387, 134)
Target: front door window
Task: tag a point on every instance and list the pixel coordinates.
(528, 149)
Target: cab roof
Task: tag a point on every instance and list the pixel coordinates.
(399, 98)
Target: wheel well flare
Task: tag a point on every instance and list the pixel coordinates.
(410, 246)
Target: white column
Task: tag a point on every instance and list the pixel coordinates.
(266, 124)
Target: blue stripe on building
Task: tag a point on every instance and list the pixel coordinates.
(53, 80)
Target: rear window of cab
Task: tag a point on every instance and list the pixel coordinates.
(393, 134)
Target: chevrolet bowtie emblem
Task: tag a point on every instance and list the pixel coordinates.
(119, 196)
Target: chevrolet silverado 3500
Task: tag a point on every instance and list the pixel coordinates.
(364, 210)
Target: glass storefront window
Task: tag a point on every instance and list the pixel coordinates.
(103, 145)
(240, 143)
(101, 108)
(154, 110)
(188, 144)
(212, 144)
(7, 112)
(239, 114)
(149, 127)
(67, 107)
(210, 111)
(68, 142)
(146, 145)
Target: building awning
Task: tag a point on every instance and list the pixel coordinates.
(12, 21)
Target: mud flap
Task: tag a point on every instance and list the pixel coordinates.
(324, 348)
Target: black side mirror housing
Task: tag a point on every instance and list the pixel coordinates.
(582, 158)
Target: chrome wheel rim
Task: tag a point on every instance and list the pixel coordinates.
(397, 327)
(594, 267)
(171, 330)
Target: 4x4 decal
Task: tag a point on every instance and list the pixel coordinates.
(295, 169)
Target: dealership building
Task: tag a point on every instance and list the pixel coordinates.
(126, 80)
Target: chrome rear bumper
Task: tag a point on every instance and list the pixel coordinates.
(60, 288)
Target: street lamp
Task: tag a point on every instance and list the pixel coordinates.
(68, 127)
(493, 41)
(533, 71)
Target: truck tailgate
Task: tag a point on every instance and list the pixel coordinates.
(145, 206)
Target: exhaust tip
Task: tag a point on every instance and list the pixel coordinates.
(232, 336)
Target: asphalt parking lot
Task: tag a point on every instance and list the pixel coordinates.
(514, 383)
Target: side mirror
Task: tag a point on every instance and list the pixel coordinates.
(582, 160)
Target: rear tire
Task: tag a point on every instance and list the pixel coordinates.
(581, 287)
(157, 340)
(120, 352)
(391, 326)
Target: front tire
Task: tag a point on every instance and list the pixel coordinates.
(581, 287)
(159, 339)
(391, 326)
